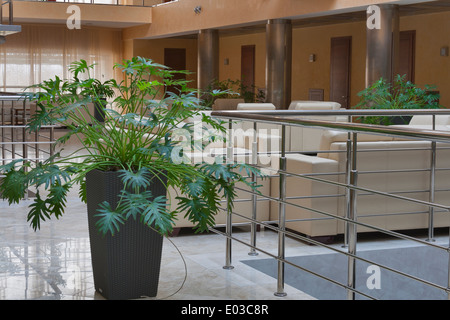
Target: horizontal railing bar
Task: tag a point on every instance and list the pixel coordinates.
(344, 185)
(329, 112)
(26, 126)
(431, 204)
(260, 116)
(30, 142)
(289, 262)
(388, 232)
(347, 253)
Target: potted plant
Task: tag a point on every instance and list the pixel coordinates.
(103, 92)
(123, 169)
(400, 94)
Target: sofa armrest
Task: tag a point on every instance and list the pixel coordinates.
(303, 193)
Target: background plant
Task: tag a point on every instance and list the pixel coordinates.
(400, 94)
(231, 89)
(136, 140)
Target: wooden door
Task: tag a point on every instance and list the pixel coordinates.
(175, 58)
(248, 67)
(406, 64)
(340, 68)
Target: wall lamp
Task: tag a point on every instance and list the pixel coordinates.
(198, 9)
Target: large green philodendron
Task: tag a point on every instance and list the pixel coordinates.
(135, 139)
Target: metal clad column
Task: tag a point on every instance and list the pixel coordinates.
(278, 62)
(382, 42)
(208, 57)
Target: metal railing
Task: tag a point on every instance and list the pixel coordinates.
(290, 118)
(8, 3)
(16, 141)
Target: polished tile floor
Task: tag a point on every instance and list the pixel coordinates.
(54, 263)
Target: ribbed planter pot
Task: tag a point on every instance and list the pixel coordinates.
(99, 110)
(126, 265)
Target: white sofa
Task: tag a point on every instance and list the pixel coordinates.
(308, 139)
(269, 139)
(377, 210)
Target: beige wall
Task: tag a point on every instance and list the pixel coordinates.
(223, 13)
(317, 40)
(230, 48)
(432, 33)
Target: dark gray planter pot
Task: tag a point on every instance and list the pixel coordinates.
(126, 265)
(99, 110)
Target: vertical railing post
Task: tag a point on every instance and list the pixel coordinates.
(3, 134)
(348, 167)
(11, 18)
(254, 161)
(352, 233)
(448, 267)
(432, 185)
(229, 224)
(52, 139)
(282, 216)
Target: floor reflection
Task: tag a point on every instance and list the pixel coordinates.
(45, 264)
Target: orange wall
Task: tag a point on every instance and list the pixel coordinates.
(432, 33)
(317, 40)
(230, 48)
(222, 13)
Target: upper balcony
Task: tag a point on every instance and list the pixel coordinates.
(102, 13)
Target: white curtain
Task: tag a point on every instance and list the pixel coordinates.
(40, 52)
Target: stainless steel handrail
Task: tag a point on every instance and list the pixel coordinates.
(15, 140)
(285, 118)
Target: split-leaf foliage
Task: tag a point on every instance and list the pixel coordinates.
(135, 139)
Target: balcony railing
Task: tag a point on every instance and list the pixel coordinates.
(16, 142)
(353, 192)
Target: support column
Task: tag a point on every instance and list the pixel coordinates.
(278, 62)
(208, 57)
(382, 42)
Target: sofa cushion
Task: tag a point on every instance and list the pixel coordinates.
(441, 120)
(314, 105)
(256, 106)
